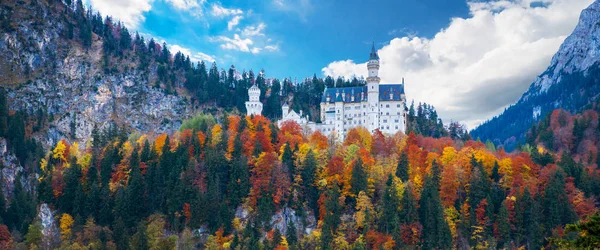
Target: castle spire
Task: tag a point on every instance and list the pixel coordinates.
(373, 55)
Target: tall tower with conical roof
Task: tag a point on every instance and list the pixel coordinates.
(373, 90)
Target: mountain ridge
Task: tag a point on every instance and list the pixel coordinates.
(570, 82)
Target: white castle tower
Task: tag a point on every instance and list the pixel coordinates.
(253, 105)
(373, 90)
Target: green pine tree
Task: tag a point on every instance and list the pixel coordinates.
(436, 232)
(402, 168)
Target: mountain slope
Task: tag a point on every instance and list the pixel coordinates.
(46, 68)
(570, 82)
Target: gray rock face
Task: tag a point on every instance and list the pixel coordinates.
(50, 231)
(10, 169)
(46, 71)
(579, 51)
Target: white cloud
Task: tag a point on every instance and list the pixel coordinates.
(129, 12)
(221, 11)
(186, 4)
(199, 56)
(475, 67)
(238, 43)
(194, 57)
(302, 8)
(272, 48)
(194, 7)
(254, 30)
(234, 22)
(235, 43)
(255, 50)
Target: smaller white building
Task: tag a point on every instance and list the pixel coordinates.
(253, 105)
(291, 115)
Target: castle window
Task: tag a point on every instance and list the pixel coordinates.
(387, 113)
(387, 105)
(388, 127)
(384, 121)
(396, 127)
(396, 121)
(397, 105)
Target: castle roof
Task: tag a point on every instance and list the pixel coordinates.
(373, 55)
(345, 94)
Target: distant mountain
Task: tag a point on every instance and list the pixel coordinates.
(571, 82)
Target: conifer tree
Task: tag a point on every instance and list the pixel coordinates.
(557, 208)
(358, 180)
(436, 233)
(139, 241)
(239, 181)
(331, 218)
(287, 160)
(503, 224)
(308, 174)
(409, 212)
(402, 168)
(291, 236)
(390, 221)
(136, 194)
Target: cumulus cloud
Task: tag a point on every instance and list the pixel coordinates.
(477, 66)
(221, 11)
(254, 30)
(234, 22)
(129, 12)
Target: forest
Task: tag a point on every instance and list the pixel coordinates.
(221, 182)
(227, 181)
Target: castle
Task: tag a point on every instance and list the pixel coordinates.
(374, 106)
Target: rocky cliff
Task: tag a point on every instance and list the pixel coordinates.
(78, 87)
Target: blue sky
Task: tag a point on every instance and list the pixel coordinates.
(305, 35)
(470, 59)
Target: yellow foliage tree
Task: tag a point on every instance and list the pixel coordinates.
(216, 133)
(506, 171)
(159, 143)
(66, 222)
(85, 161)
(448, 155)
(60, 152)
(364, 210)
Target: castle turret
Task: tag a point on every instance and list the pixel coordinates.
(285, 109)
(253, 105)
(373, 90)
